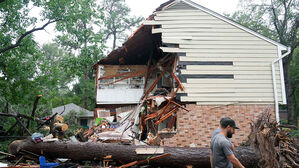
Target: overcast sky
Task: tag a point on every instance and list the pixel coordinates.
(145, 8)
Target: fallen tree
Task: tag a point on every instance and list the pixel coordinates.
(126, 153)
(276, 148)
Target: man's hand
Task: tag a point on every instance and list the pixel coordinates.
(232, 158)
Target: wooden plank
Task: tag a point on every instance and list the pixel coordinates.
(140, 151)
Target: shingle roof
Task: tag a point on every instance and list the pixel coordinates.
(72, 107)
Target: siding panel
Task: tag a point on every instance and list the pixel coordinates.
(206, 38)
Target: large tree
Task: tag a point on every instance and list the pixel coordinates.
(79, 36)
(27, 70)
(279, 20)
(117, 20)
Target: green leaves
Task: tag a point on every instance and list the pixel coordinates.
(117, 20)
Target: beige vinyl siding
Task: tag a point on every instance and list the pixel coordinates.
(180, 6)
(262, 59)
(218, 50)
(214, 42)
(204, 37)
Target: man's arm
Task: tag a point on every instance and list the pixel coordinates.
(232, 158)
(211, 158)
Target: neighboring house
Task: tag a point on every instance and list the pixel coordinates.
(226, 70)
(84, 117)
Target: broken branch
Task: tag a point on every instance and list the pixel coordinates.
(18, 43)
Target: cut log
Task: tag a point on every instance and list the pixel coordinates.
(60, 126)
(198, 157)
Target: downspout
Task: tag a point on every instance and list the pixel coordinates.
(274, 83)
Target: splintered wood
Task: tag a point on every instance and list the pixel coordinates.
(275, 147)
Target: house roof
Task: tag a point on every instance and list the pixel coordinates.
(135, 51)
(217, 15)
(72, 107)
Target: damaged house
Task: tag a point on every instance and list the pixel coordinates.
(184, 69)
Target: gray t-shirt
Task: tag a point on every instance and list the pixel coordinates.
(216, 131)
(221, 147)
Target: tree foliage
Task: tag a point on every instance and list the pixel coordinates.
(79, 36)
(279, 20)
(28, 69)
(117, 20)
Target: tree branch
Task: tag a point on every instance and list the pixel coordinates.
(26, 34)
(276, 22)
(284, 22)
(33, 110)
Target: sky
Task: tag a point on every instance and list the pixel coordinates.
(145, 8)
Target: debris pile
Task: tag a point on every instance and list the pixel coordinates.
(156, 86)
(272, 143)
(142, 125)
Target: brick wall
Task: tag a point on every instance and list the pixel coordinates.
(194, 128)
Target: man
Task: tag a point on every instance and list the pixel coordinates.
(222, 152)
(216, 131)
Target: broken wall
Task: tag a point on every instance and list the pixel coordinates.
(113, 90)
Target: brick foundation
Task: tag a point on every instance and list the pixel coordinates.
(194, 128)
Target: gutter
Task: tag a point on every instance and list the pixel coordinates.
(274, 82)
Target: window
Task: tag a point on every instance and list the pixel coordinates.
(83, 122)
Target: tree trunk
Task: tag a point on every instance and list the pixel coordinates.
(290, 92)
(114, 40)
(126, 153)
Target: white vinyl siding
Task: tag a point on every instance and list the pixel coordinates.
(204, 37)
